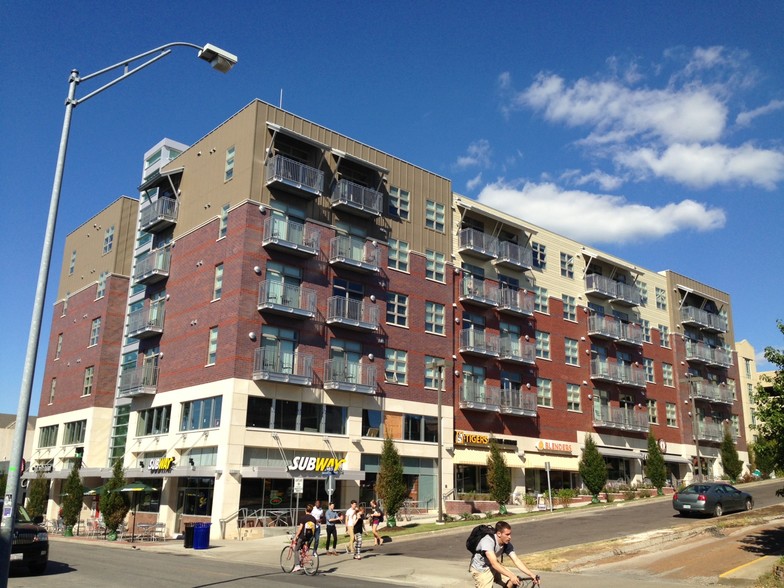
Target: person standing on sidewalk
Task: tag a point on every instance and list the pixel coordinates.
(376, 517)
(359, 528)
(351, 519)
(318, 514)
(332, 518)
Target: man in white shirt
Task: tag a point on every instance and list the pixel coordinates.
(486, 567)
(351, 519)
(318, 514)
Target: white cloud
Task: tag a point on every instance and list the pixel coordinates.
(703, 166)
(745, 118)
(598, 218)
(472, 184)
(604, 180)
(477, 154)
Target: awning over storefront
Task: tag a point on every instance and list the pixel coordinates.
(557, 462)
(479, 457)
(675, 459)
(618, 452)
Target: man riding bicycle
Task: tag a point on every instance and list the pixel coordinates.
(306, 529)
(486, 567)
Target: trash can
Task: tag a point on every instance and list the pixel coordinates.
(201, 536)
(189, 529)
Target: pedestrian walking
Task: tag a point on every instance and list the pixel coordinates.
(359, 528)
(351, 519)
(318, 514)
(376, 517)
(332, 519)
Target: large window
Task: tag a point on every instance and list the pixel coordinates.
(569, 307)
(47, 437)
(434, 318)
(398, 202)
(541, 300)
(544, 392)
(542, 345)
(572, 351)
(435, 216)
(395, 367)
(667, 379)
(420, 428)
(647, 363)
(286, 415)
(661, 298)
(397, 309)
(573, 397)
(74, 432)
(435, 265)
(567, 265)
(201, 414)
(398, 255)
(653, 415)
(153, 421)
(108, 240)
(672, 417)
(539, 255)
(434, 373)
(372, 423)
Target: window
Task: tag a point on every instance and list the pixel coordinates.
(395, 367)
(108, 240)
(731, 388)
(420, 428)
(572, 351)
(398, 202)
(87, 385)
(573, 397)
(153, 421)
(229, 169)
(542, 345)
(664, 335)
(649, 373)
(433, 373)
(100, 290)
(212, 347)
(74, 432)
(667, 375)
(653, 416)
(434, 216)
(217, 283)
(223, 226)
(289, 415)
(569, 307)
(95, 331)
(672, 418)
(642, 287)
(201, 414)
(59, 348)
(48, 436)
(52, 388)
(539, 255)
(544, 392)
(398, 255)
(646, 330)
(72, 265)
(435, 265)
(434, 318)
(397, 309)
(567, 265)
(372, 423)
(661, 298)
(540, 300)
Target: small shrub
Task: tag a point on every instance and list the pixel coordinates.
(609, 496)
(564, 496)
(629, 494)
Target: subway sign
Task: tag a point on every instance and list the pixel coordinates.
(160, 465)
(302, 463)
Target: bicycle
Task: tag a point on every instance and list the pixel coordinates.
(308, 559)
(529, 582)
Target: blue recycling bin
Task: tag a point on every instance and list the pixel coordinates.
(201, 536)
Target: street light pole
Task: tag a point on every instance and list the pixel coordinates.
(219, 59)
(694, 422)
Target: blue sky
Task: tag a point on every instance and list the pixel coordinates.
(651, 130)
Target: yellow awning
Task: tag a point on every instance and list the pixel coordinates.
(479, 457)
(557, 462)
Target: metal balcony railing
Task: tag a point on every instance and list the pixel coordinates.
(618, 373)
(290, 236)
(599, 286)
(354, 253)
(480, 396)
(286, 299)
(478, 243)
(517, 350)
(146, 322)
(478, 342)
(159, 215)
(631, 333)
(711, 391)
(624, 419)
(478, 291)
(138, 380)
(627, 294)
(697, 351)
(518, 402)
(517, 302)
(604, 326)
(708, 431)
(356, 198)
(340, 374)
(703, 319)
(294, 176)
(272, 364)
(352, 314)
(153, 266)
(514, 256)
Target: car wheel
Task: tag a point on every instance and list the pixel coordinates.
(718, 510)
(749, 504)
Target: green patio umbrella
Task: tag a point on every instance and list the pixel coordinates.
(135, 488)
(99, 491)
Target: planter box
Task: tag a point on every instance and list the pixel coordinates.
(458, 507)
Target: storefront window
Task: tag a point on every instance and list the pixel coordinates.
(151, 502)
(471, 478)
(195, 497)
(296, 416)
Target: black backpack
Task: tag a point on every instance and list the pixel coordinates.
(477, 534)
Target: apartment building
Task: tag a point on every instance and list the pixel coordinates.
(291, 297)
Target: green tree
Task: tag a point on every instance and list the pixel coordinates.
(390, 483)
(593, 469)
(73, 498)
(730, 461)
(764, 451)
(654, 465)
(770, 409)
(499, 479)
(37, 496)
(113, 503)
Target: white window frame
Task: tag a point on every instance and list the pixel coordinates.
(435, 318)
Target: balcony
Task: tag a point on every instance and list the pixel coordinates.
(627, 294)
(604, 370)
(707, 321)
(348, 376)
(353, 253)
(479, 396)
(294, 177)
(478, 291)
(476, 342)
(153, 266)
(631, 334)
(356, 199)
(699, 352)
(712, 392)
(138, 381)
(517, 350)
(604, 327)
(622, 419)
(159, 215)
(290, 236)
(286, 300)
(515, 302)
(478, 244)
(146, 322)
(514, 256)
(273, 365)
(709, 431)
(608, 289)
(352, 314)
(518, 403)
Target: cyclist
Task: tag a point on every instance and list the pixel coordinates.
(306, 529)
(486, 567)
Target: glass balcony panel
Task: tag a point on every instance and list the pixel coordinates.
(340, 374)
(517, 350)
(294, 177)
(138, 380)
(290, 236)
(145, 322)
(352, 314)
(515, 302)
(703, 319)
(159, 215)
(712, 392)
(354, 253)
(273, 364)
(153, 266)
(627, 294)
(605, 327)
(478, 291)
(479, 396)
(357, 199)
(518, 402)
(477, 243)
(599, 286)
(287, 300)
(514, 256)
(476, 342)
(631, 334)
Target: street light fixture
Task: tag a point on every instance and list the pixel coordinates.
(220, 60)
